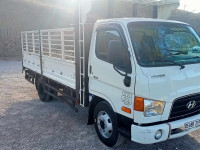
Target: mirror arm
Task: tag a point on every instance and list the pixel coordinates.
(127, 79)
(119, 71)
(126, 74)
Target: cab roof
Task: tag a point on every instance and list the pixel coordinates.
(128, 20)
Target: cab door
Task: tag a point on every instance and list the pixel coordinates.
(111, 67)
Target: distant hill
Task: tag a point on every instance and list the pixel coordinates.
(187, 17)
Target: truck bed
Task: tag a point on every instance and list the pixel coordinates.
(57, 47)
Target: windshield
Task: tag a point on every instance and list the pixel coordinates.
(162, 44)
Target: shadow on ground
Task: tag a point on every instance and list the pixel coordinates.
(32, 124)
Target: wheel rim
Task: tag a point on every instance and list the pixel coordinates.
(104, 124)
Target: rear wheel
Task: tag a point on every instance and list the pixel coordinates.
(44, 97)
(105, 123)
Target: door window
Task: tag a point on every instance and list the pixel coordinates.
(104, 37)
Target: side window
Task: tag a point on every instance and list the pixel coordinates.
(104, 37)
(110, 48)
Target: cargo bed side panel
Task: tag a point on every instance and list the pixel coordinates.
(57, 47)
(60, 71)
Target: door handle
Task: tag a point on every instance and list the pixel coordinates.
(91, 69)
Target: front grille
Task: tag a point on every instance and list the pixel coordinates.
(180, 110)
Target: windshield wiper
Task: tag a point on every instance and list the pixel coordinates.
(173, 52)
(172, 62)
(193, 57)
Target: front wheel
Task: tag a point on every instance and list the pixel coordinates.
(105, 123)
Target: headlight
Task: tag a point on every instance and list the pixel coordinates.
(153, 108)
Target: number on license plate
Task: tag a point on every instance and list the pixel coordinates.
(192, 124)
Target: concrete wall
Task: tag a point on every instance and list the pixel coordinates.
(121, 9)
(118, 9)
(21, 15)
(164, 11)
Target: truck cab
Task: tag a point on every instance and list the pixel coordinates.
(144, 79)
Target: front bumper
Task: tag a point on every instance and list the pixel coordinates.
(170, 130)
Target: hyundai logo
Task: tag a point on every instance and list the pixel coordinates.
(191, 104)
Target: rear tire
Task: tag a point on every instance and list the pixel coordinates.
(105, 123)
(44, 97)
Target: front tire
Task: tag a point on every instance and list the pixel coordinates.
(105, 123)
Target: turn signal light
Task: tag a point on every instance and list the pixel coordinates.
(139, 104)
(125, 109)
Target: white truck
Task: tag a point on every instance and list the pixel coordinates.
(139, 78)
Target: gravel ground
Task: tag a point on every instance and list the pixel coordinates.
(27, 123)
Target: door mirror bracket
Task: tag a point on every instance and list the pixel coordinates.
(127, 79)
(119, 71)
(118, 55)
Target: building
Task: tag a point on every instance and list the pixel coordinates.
(130, 8)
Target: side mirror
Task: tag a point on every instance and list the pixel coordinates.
(115, 51)
(120, 58)
(127, 81)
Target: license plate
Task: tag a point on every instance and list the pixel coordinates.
(192, 124)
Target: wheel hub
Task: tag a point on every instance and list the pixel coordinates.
(104, 124)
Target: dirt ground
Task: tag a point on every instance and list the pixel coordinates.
(27, 123)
